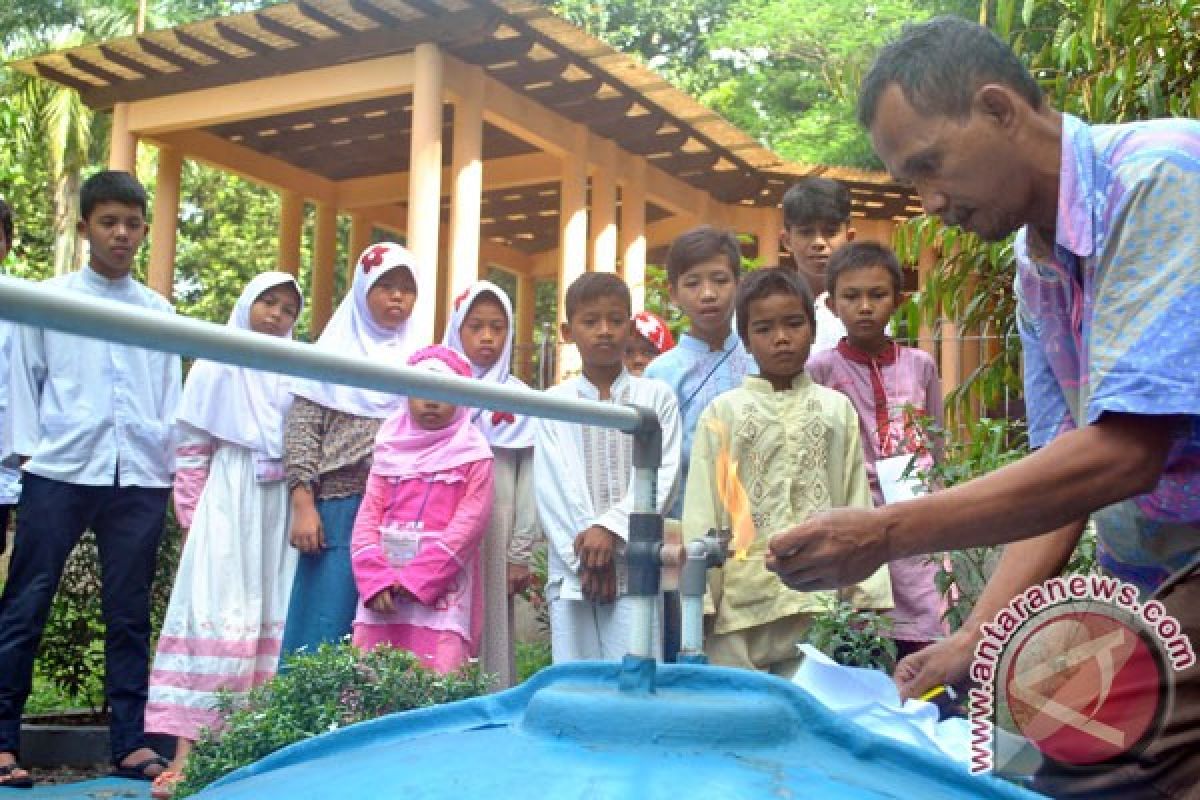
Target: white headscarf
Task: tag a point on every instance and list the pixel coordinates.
(503, 430)
(353, 331)
(241, 406)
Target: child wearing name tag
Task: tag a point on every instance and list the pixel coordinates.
(417, 538)
(890, 386)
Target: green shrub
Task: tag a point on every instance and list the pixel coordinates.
(531, 658)
(335, 686)
(853, 638)
(71, 657)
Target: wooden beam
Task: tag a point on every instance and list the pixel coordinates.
(193, 42)
(165, 223)
(318, 16)
(265, 97)
(122, 143)
(291, 230)
(425, 187)
(467, 188)
(499, 173)
(360, 46)
(283, 30)
(633, 230)
(96, 70)
(162, 53)
(243, 40)
(376, 15)
(323, 266)
(132, 64)
(604, 207)
(249, 164)
(502, 255)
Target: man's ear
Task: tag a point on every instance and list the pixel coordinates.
(850, 234)
(829, 302)
(996, 103)
(81, 227)
(564, 332)
(785, 243)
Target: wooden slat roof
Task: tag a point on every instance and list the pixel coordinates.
(518, 42)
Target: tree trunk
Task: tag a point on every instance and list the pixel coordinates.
(68, 252)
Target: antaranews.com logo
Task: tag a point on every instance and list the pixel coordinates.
(1079, 668)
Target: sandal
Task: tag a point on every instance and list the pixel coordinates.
(10, 781)
(137, 772)
(164, 785)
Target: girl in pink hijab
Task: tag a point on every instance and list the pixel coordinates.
(416, 542)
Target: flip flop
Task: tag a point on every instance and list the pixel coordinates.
(137, 772)
(164, 785)
(8, 781)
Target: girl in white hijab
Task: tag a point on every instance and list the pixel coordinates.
(329, 437)
(481, 328)
(225, 619)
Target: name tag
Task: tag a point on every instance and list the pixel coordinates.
(895, 486)
(268, 470)
(401, 543)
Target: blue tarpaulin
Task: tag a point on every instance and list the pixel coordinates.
(569, 732)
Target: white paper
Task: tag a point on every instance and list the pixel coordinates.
(896, 487)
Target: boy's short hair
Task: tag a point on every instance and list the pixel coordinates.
(862, 255)
(701, 244)
(6, 221)
(765, 282)
(816, 200)
(111, 186)
(591, 286)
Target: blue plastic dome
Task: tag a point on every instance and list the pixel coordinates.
(571, 732)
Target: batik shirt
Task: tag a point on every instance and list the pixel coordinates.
(698, 375)
(1108, 321)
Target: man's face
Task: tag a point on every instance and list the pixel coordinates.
(965, 170)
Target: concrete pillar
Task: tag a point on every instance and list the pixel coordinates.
(604, 208)
(466, 167)
(291, 229)
(122, 145)
(573, 237)
(324, 255)
(425, 182)
(165, 223)
(633, 231)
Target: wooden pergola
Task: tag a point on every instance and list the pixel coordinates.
(483, 132)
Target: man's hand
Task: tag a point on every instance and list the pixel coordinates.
(595, 548)
(307, 536)
(945, 662)
(520, 578)
(382, 603)
(830, 550)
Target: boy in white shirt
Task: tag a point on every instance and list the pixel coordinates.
(91, 422)
(583, 478)
(816, 221)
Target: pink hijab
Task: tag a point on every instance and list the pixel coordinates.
(404, 449)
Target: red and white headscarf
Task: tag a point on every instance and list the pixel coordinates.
(353, 331)
(502, 429)
(404, 449)
(654, 329)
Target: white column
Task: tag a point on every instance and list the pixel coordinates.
(573, 236)
(633, 231)
(425, 182)
(604, 208)
(467, 197)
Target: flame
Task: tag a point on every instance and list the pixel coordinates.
(732, 494)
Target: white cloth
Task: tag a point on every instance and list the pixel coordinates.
(565, 503)
(502, 430)
(240, 406)
(352, 331)
(830, 329)
(869, 697)
(224, 623)
(10, 477)
(80, 407)
(583, 631)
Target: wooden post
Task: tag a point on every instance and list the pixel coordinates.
(165, 223)
(633, 231)
(604, 208)
(122, 145)
(324, 254)
(523, 335)
(770, 225)
(361, 233)
(467, 197)
(425, 183)
(291, 228)
(573, 237)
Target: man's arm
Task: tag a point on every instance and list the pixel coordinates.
(1119, 456)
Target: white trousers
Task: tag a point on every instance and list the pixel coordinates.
(584, 631)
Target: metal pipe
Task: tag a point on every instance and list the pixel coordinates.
(69, 312)
(645, 536)
(702, 554)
